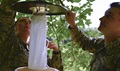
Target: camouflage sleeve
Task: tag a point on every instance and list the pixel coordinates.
(13, 53)
(118, 65)
(56, 61)
(2, 32)
(87, 43)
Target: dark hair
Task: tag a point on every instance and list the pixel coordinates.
(115, 4)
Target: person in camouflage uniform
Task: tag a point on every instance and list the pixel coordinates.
(15, 53)
(22, 30)
(106, 52)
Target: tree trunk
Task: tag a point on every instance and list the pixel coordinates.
(12, 51)
(7, 17)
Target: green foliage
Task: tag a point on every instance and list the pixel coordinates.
(22, 15)
(74, 58)
(73, 1)
(92, 32)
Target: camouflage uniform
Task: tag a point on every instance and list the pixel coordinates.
(14, 54)
(105, 57)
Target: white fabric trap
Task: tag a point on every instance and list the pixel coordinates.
(38, 51)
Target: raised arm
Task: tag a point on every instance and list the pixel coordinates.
(86, 43)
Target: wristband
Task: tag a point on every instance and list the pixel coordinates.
(72, 28)
(56, 52)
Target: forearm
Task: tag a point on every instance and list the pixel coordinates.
(56, 61)
(83, 41)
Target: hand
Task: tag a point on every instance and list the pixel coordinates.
(70, 18)
(53, 46)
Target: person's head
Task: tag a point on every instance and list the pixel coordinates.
(110, 22)
(22, 26)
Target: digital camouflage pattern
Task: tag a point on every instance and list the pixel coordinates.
(55, 62)
(105, 57)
